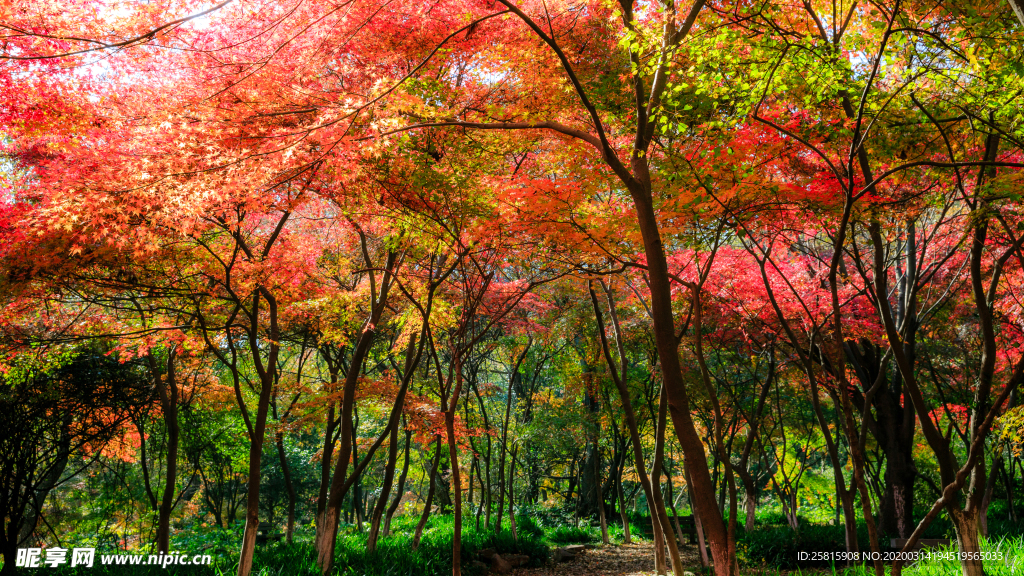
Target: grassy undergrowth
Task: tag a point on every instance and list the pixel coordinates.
(394, 555)
(769, 550)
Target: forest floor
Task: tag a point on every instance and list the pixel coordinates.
(636, 560)
(624, 560)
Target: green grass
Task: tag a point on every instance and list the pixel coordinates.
(768, 550)
(394, 555)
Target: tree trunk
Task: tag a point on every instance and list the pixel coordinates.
(357, 484)
(326, 459)
(289, 487)
(694, 456)
(504, 435)
(453, 455)
(167, 393)
(430, 496)
(968, 541)
(1008, 483)
(252, 500)
(897, 510)
(659, 462)
(480, 497)
(600, 495)
(846, 500)
(722, 449)
(512, 495)
(627, 538)
(672, 506)
(986, 498)
(750, 500)
(267, 373)
(753, 426)
(1018, 9)
(659, 519)
(385, 490)
(332, 514)
(704, 560)
(400, 492)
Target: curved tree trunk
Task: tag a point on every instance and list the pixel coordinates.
(659, 518)
(694, 457)
(400, 491)
(659, 501)
(268, 375)
(326, 459)
(385, 491)
(332, 514)
(701, 544)
(430, 496)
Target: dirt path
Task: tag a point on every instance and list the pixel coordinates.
(626, 560)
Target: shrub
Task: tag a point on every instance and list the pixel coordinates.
(779, 546)
(572, 535)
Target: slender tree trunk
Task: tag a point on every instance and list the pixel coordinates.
(411, 360)
(722, 448)
(357, 484)
(252, 500)
(485, 476)
(289, 487)
(326, 459)
(659, 519)
(659, 462)
(704, 560)
(385, 491)
(986, 499)
(453, 455)
(750, 500)
(167, 392)
(430, 496)
(694, 457)
(267, 373)
(512, 494)
(600, 495)
(1008, 482)
(857, 457)
(332, 513)
(400, 492)
(489, 492)
(753, 426)
(481, 499)
(672, 506)
(620, 494)
(472, 470)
